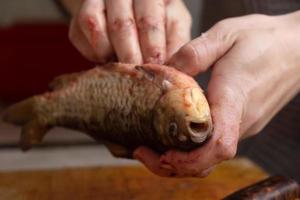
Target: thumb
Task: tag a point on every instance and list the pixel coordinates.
(199, 54)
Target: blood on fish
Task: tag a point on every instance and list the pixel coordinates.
(185, 101)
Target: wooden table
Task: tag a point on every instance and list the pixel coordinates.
(127, 182)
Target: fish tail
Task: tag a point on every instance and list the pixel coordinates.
(19, 113)
(23, 114)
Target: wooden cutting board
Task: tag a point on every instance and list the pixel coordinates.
(124, 183)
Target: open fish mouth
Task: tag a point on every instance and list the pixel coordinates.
(196, 134)
(199, 131)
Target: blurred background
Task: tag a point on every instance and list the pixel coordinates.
(34, 48)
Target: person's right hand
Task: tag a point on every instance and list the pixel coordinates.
(130, 31)
(255, 71)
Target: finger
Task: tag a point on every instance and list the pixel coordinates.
(151, 160)
(179, 24)
(80, 42)
(198, 173)
(226, 111)
(122, 30)
(93, 25)
(206, 172)
(150, 17)
(199, 54)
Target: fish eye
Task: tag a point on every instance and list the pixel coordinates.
(172, 129)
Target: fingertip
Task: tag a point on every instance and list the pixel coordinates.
(206, 172)
(131, 59)
(158, 57)
(151, 19)
(151, 161)
(184, 60)
(166, 166)
(138, 152)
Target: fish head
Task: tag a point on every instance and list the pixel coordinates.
(182, 118)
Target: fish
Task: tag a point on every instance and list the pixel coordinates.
(123, 106)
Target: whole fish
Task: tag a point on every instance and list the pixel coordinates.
(123, 106)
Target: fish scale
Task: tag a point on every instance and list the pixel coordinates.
(118, 85)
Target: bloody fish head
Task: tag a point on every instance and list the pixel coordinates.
(182, 118)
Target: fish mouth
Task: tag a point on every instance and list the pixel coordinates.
(199, 131)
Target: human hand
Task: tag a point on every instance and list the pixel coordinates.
(135, 31)
(255, 63)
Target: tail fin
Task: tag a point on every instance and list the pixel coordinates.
(32, 134)
(24, 114)
(20, 113)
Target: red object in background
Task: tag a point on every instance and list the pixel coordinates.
(32, 55)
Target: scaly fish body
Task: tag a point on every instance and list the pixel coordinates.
(121, 104)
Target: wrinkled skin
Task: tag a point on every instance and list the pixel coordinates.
(123, 105)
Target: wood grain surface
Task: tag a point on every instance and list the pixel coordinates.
(122, 183)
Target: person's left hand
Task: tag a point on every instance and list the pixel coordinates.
(256, 71)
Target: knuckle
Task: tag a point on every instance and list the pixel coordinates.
(252, 117)
(120, 24)
(223, 25)
(85, 18)
(226, 150)
(254, 129)
(89, 21)
(149, 23)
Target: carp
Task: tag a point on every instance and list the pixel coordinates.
(121, 105)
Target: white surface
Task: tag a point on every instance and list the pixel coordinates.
(54, 158)
(10, 134)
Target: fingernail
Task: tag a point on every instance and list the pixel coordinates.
(137, 156)
(166, 166)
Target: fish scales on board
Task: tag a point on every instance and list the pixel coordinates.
(123, 106)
